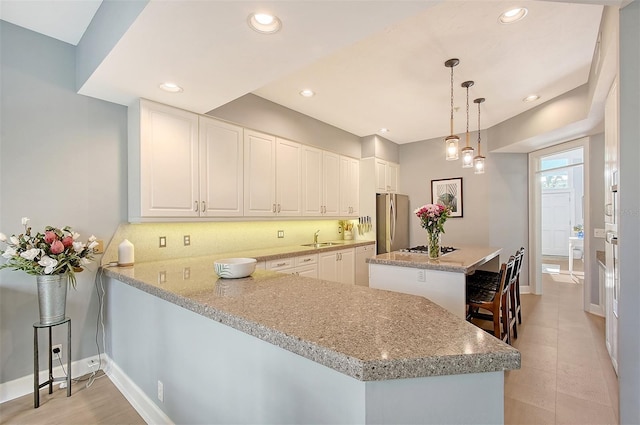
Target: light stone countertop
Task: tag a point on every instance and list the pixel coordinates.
(365, 333)
(464, 260)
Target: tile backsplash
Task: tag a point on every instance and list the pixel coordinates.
(215, 237)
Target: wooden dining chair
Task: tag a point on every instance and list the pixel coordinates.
(494, 303)
(515, 289)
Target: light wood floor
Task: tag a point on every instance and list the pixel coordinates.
(566, 375)
(101, 403)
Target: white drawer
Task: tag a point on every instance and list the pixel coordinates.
(304, 260)
(281, 263)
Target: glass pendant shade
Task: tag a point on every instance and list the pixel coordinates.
(467, 157)
(451, 143)
(478, 161)
(478, 164)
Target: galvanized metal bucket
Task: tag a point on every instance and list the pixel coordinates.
(52, 297)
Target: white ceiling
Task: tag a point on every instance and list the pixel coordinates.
(373, 64)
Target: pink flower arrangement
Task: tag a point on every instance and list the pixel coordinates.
(56, 251)
(433, 216)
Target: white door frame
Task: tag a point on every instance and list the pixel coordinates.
(535, 223)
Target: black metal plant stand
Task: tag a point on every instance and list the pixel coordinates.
(36, 379)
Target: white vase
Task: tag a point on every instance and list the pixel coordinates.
(52, 297)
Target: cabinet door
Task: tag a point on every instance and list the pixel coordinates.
(328, 266)
(311, 181)
(347, 266)
(259, 174)
(168, 161)
(331, 184)
(288, 178)
(308, 271)
(381, 176)
(221, 165)
(392, 177)
(353, 186)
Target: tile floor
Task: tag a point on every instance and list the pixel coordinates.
(566, 375)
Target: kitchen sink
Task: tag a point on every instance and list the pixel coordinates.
(321, 244)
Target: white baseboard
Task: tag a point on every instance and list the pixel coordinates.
(145, 407)
(596, 309)
(24, 385)
(525, 289)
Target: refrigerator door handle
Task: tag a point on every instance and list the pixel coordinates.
(392, 215)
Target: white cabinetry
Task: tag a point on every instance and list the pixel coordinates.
(337, 266)
(304, 265)
(320, 182)
(386, 175)
(221, 165)
(349, 186)
(178, 170)
(272, 176)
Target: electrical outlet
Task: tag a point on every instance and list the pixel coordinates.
(186, 273)
(598, 233)
(162, 276)
(161, 391)
(93, 365)
(280, 234)
(187, 240)
(421, 276)
(59, 347)
(99, 249)
(163, 242)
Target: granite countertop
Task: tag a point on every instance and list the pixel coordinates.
(365, 333)
(464, 260)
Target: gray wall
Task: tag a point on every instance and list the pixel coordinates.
(380, 147)
(596, 208)
(629, 228)
(254, 112)
(494, 204)
(62, 162)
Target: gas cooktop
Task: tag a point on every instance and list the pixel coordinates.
(422, 249)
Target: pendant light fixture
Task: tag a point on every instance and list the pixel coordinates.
(467, 151)
(451, 142)
(478, 161)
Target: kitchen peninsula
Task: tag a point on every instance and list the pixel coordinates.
(442, 281)
(276, 348)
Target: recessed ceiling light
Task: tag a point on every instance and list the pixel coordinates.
(307, 93)
(384, 130)
(264, 23)
(531, 98)
(513, 15)
(170, 87)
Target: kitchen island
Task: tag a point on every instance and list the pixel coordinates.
(442, 281)
(276, 348)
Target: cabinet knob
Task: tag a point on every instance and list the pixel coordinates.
(273, 209)
(279, 208)
(204, 206)
(197, 205)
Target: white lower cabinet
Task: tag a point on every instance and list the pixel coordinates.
(337, 266)
(305, 265)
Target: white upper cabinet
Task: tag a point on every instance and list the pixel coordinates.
(288, 178)
(312, 181)
(259, 174)
(272, 176)
(163, 162)
(349, 186)
(386, 175)
(182, 165)
(330, 184)
(221, 165)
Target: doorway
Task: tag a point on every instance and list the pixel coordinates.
(558, 193)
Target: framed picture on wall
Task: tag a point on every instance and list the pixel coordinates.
(448, 192)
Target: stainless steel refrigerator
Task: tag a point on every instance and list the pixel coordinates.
(392, 222)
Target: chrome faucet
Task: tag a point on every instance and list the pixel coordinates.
(315, 236)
